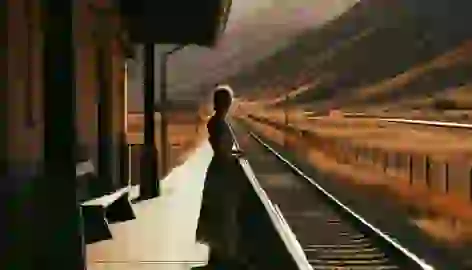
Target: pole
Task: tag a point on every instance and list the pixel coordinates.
(149, 187)
(123, 147)
(164, 104)
(286, 120)
(164, 120)
(57, 222)
(125, 82)
(128, 152)
(104, 122)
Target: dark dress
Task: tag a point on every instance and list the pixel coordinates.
(217, 224)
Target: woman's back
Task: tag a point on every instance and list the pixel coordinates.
(220, 137)
(218, 225)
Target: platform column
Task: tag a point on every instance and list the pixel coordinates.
(149, 184)
(58, 242)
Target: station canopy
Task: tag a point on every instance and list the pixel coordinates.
(181, 22)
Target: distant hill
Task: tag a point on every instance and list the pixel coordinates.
(374, 45)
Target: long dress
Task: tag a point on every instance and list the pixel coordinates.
(217, 224)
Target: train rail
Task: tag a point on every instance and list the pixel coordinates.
(440, 124)
(331, 235)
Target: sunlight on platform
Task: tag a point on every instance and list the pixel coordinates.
(163, 234)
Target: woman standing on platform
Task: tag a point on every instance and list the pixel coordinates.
(217, 224)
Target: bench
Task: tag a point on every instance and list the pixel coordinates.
(99, 212)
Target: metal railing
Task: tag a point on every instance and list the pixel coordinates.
(265, 234)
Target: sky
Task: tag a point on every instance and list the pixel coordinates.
(255, 29)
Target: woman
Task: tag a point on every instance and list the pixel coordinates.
(217, 224)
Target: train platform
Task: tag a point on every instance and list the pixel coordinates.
(163, 234)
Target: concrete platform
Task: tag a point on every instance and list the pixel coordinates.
(163, 234)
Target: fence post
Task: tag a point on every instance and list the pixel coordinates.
(385, 162)
(446, 177)
(362, 157)
(410, 168)
(379, 158)
(370, 152)
(395, 161)
(427, 171)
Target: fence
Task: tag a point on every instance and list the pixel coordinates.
(437, 174)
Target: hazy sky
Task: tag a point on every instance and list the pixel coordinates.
(255, 28)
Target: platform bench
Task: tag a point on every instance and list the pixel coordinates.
(100, 212)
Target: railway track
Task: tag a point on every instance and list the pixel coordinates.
(430, 123)
(331, 235)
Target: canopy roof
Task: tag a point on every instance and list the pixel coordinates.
(182, 22)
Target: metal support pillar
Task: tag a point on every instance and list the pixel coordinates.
(123, 142)
(149, 185)
(105, 157)
(164, 119)
(164, 107)
(128, 151)
(58, 238)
